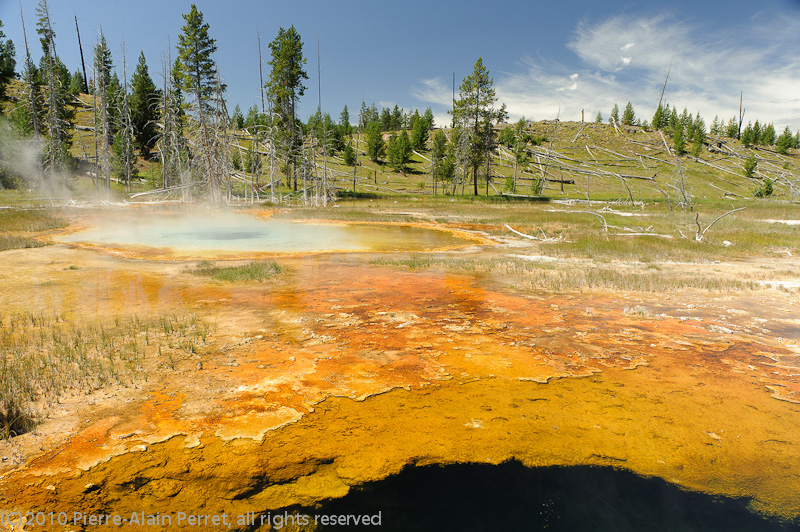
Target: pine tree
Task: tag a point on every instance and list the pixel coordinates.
(376, 148)
(397, 122)
(144, 98)
(750, 166)
(628, 116)
(438, 153)
(658, 117)
(784, 141)
(755, 134)
(349, 154)
(76, 84)
(7, 63)
(732, 129)
(747, 135)
(475, 111)
(599, 118)
(197, 76)
(419, 134)
(678, 141)
(344, 122)
(237, 118)
(285, 86)
(768, 135)
(399, 151)
(427, 117)
(614, 118)
(674, 121)
(386, 119)
(716, 126)
(197, 71)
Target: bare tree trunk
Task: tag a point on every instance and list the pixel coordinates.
(126, 121)
(83, 61)
(32, 88)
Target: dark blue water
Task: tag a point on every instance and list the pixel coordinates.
(511, 497)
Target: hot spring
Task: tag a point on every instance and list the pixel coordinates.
(237, 235)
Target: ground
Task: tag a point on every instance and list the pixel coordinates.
(348, 367)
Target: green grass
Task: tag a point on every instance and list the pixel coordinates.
(18, 242)
(15, 220)
(252, 271)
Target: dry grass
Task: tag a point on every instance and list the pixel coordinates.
(574, 276)
(45, 357)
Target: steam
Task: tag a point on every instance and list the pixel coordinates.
(21, 165)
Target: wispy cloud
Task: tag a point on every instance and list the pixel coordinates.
(625, 58)
(434, 90)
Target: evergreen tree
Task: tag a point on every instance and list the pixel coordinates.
(685, 119)
(599, 118)
(197, 71)
(349, 154)
(252, 119)
(58, 115)
(658, 117)
(412, 119)
(144, 98)
(441, 170)
(344, 122)
(397, 119)
(750, 166)
(386, 119)
(427, 117)
(628, 116)
(755, 134)
(747, 135)
(237, 118)
(475, 111)
(716, 126)
(438, 149)
(768, 135)
(697, 143)
(674, 121)
(376, 148)
(76, 84)
(285, 86)
(732, 129)
(614, 115)
(7, 62)
(363, 117)
(252, 161)
(784, 141)
(122, 161)
(678, 141)
(419, 134)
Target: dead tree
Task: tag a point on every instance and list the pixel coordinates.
(32, 91)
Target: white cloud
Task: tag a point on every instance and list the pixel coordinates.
(707, 71)
(434, 90)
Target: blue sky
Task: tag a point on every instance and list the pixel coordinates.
(543, 56)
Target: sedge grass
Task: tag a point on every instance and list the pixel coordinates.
(46, 357)
(252, 271)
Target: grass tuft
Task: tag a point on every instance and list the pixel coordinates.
(252, 271)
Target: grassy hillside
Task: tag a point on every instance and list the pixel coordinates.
(581, 161)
